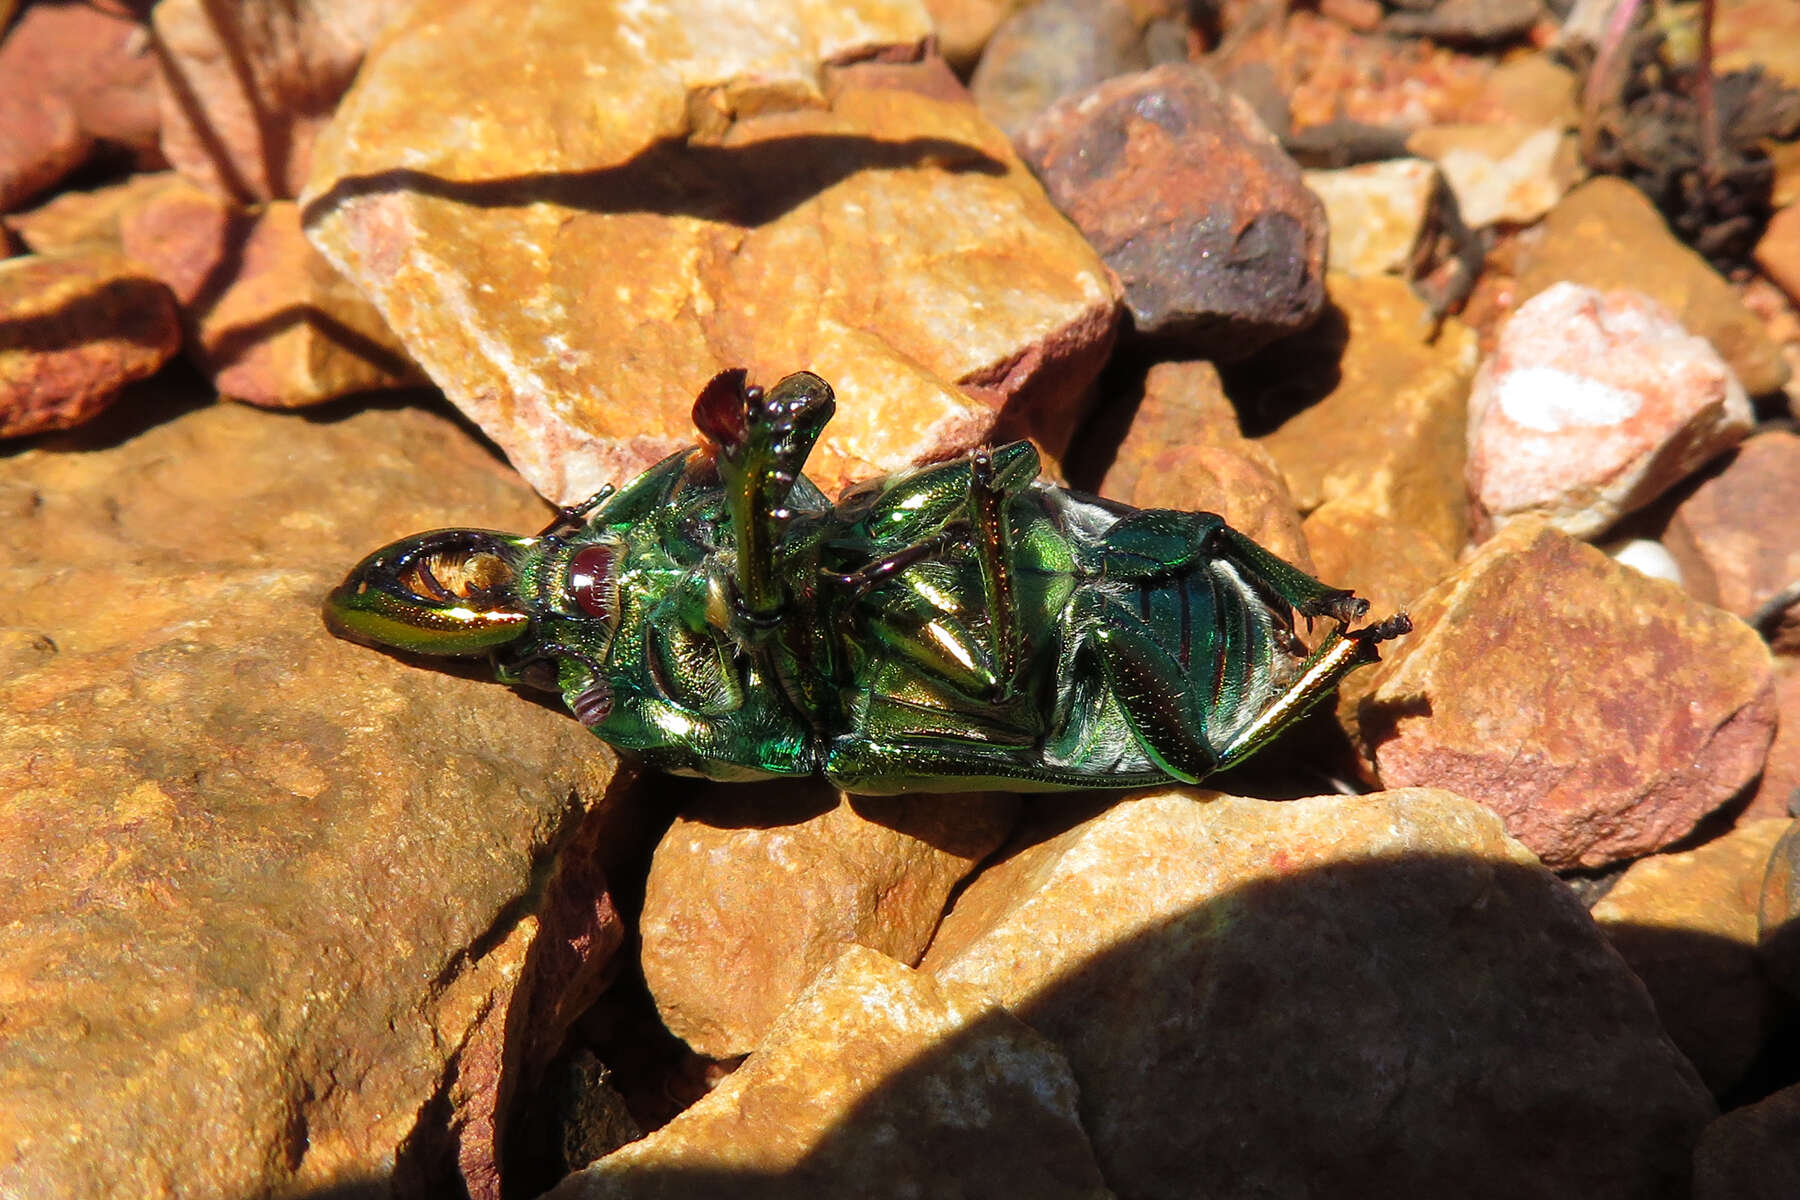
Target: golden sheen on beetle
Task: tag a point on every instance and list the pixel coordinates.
(959, 626)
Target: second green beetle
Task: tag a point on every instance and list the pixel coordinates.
(958, 626)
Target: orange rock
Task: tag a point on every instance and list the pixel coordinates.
(877, 1081)
(74, 219)
(74, 329)
(247, 86)
(755, 891)
(242, 859)
(1386, 407)
(640, 200)
(1183, 450)
(273, 322)
(1601, 713)
(1778, 791)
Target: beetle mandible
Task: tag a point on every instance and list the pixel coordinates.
(958, 626)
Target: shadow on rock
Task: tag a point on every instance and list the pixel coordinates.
(743, 185)
(1418, 1025)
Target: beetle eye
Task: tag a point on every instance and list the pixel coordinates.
(451, 575)
(594, 582)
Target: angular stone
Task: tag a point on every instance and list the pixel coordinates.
(1605, 235)
(1778, 250)
(964, 27)
(1601, 713)
(1465, 22)
(273, 322)
(1591, 406)
(1379, 213)
(75, 328)
(1388, 980)
(1686, 924)
(1331, 74)
(1391, 409)
(1778, 790)
(1192, 202)
(246, 87)
(1751, 1153)
(75, 220)
(1736, 538)
(1183, 450)
(758, 888)
(878, 1081)
(1051, 49)
(259, 882)
(758, 187)
(1511, 174)
(74, 78)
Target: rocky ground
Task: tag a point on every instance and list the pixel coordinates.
(1489, 309)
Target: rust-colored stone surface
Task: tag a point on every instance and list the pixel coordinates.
(1193, 203)
(76, 220)
(1737, 539)
(271, 321)
(1778, 791)
(878, 1081)
(260, 884)
(1686, 923)
(1387, 980)
(756, 889)
(1601, 713)
(1388, 423)
(1778, 250)
(246, 87)
(1606, 235)
(74, 78)
(1183, 450)
(644, 195)
(74, 329)
(1778, 915)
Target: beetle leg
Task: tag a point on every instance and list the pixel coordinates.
(763, 441)
(572, 520)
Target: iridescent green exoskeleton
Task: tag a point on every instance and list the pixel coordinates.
(957, 626)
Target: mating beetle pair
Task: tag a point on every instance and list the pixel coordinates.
(954, 627)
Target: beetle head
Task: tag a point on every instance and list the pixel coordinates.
(447, 592)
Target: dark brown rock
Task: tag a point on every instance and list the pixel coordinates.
(75, 328)
(1192, 202)
(1601, 713)
(1752, 1153)
(1337, 995)
(262, 886)
(1737, 539)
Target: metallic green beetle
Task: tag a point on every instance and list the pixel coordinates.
(954, 627)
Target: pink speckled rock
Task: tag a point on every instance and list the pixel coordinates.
(1592, 405)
